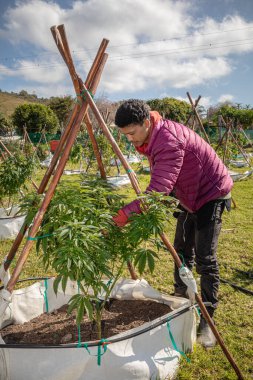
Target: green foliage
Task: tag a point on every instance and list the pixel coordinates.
(77, 247)
(243, 116)
(35, 117)
(14, 172)
(171, 108)
(61, 107)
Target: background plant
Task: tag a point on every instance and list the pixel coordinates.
(14, 173)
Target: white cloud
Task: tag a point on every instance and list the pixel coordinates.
(225, 98)
(181, 52)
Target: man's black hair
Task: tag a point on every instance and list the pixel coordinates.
(132, 111)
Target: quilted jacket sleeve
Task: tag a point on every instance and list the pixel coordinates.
(167, 157)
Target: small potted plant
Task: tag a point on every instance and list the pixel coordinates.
(15, 170)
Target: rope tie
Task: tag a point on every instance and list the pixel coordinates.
(38, 237)
(174, 343)
(102, 348)
(45, 294)
(180, 254)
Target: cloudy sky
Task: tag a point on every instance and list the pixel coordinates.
(157, 47)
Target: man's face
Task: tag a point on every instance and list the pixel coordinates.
(137, 134)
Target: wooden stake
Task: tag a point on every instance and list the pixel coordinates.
(198, 118)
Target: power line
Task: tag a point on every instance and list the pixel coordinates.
(190, 49)
(131, 44)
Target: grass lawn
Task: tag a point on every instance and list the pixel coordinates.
(234, 317)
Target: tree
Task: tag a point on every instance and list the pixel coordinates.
(170, 108)
(243, 116)
(61, 107)
(35, 117)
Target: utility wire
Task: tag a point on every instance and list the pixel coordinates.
(191, 49)
(185, 36)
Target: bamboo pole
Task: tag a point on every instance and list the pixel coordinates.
(63, 46)
(92, 82)
(198, 118)
(195, 105)
(164, 238)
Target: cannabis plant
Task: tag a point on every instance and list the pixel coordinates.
(81, 243)
(14, 173)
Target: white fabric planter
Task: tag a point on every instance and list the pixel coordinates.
(73, 172)
(119, 181)
(46, 163)
(141, 353)
(238, 163)
(240, 176)
(10, 224)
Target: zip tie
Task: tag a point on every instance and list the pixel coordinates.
(129, 171)
(174, 343)
(45, 294)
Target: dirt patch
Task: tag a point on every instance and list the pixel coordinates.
(58, 327)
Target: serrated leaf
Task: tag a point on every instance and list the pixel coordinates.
(80, 311)
(73, 302)
(151, 262)
(64, 283)
(88, 308)
(142, 262)
(56, 283)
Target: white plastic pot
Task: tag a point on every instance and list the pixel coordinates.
(10, 224)
(143, 353)
(119, 181)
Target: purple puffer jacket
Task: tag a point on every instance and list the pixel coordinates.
(182, 161)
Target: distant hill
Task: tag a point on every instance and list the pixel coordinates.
(9, 101)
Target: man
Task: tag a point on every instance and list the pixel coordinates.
(183, 165)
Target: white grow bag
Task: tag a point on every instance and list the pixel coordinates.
(118, 181)
(141, 353)
(46, 163)
(240, 176)
(10, 224)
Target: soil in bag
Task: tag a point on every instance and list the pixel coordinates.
(59, 327)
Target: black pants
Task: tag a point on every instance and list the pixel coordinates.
(197, 238)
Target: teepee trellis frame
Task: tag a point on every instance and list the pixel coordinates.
(58, 163)
(87, 100)
(196, 115)
(228, 136)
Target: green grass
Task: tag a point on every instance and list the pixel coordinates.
(234, 317)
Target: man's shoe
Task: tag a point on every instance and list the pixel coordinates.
(205, 334)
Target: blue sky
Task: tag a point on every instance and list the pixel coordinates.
(157, 47)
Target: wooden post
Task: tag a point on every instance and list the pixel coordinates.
(198, 118)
